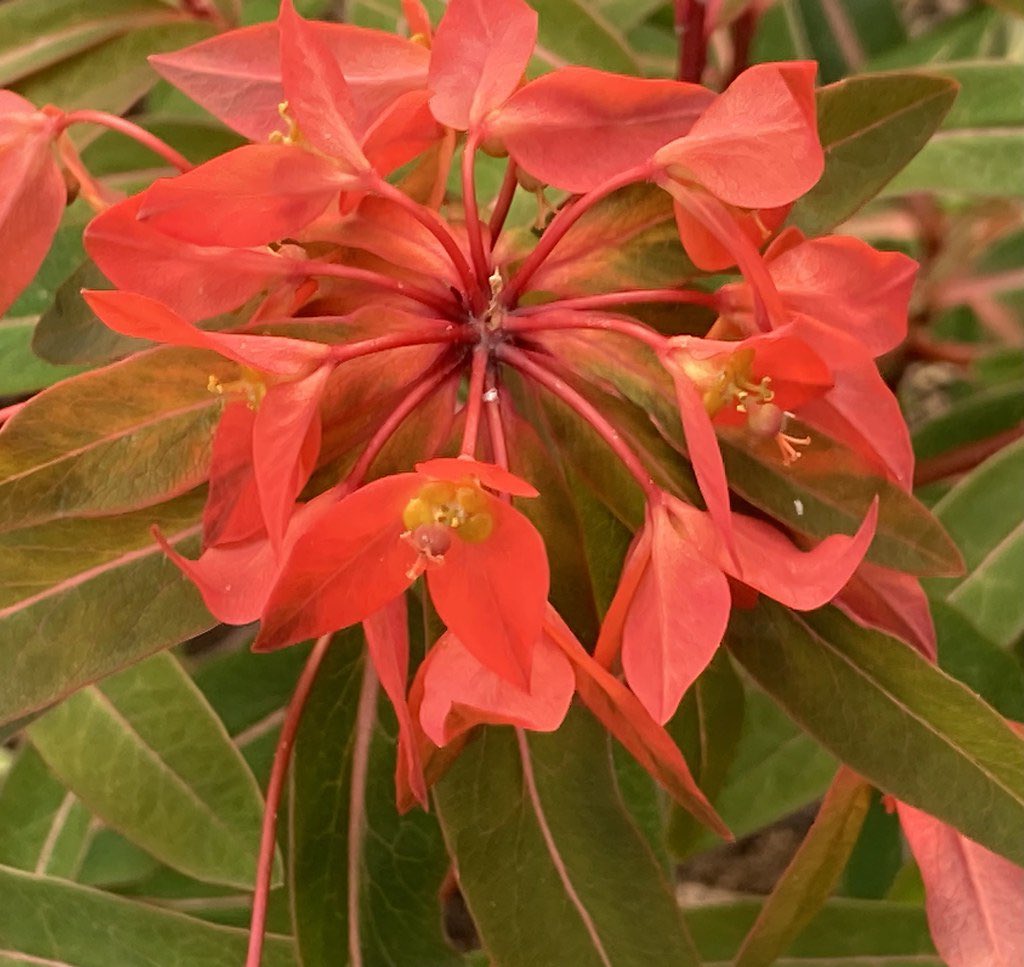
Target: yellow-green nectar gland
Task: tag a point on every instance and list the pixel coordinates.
(250, 386)
(443, 508)
(732, 384)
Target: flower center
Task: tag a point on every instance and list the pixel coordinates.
(729, 382)
(250, 386)
(443, 508)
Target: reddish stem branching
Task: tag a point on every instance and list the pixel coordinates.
(133, 131)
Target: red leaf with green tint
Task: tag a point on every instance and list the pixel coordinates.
(974, 897)
(757, 145)
(253, 195)
(459, 692)
(33, 195)
(236, 76)
(575, 127)
(478, 56)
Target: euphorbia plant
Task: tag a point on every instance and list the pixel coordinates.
(349, 233)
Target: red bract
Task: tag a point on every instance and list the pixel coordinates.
(672, 605)
(485, 563)
(33, 195)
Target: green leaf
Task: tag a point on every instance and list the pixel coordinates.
(707, 728)
(877, 858)
(84, 598)
(777, 769)
(574, 32)
(891, 715)
(870, 128)
(35, 35)
(21, 370)
(975, 34)
(850, 933)
(983, 134)
(112, 440)
(349, 847)
(979, 416)
(47, 921)
(145, 752)
(811, 874)
(531, 822)
(43, 828)
(985, 516)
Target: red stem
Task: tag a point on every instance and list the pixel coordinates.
(474, 401)
(433, 224)
(627, 297)
(278, 773)
(91, 189)
(439, 303)
(384, 432)
(634, 330)
(472, 215)
(563, 221)
(503, 203)
(693, 52)
(742, 32)
(119, 124)
(399, 340)
(554, 384)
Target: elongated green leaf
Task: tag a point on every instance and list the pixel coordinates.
(985, 515)
(707, 728)
(349, 847)
(870, 127)
(574, 32)
(84, 598)
(147, 754)
(530, 822)
(115, 439)
(35, 35)
(43, 827)
(846, 933)
(21, 371)
(979, 416)
(977, 33)
(50, 922)
(892, 716)
(811, 874)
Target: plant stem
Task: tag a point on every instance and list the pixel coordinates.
(416, 395)
(439, 303)
(433, 224)
(122, 126)
(275, 787)
(539, 323)
(399, 340)
(496, 427)
(626, 297)
(472, 215)
(742, 32)
(563, 221)
(503, 203)
(693, 52)
(474, 401)
(554, 384)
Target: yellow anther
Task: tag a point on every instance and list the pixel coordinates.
(292, 135)
(463, 508)
(250, 386)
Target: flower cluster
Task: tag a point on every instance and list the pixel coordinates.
(331, 242)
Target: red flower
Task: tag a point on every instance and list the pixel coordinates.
(485, 563)
(673, 601)
(33, 195)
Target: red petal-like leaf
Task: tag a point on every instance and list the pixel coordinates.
(138, 315)
(460, 692)
(316, 90)
(478, 56)
(609, 640)
(287, 427)
(575, 128)
(403, 132)
(236, 76)
(195, 281)
(33, 194)
(703, 246)
(755, 146)
(253, 195)
(490, 475)
(891, 601)
(232, 510)
(620, 711)
(974, 898)
(677, 618)
(492, 594)
(348, 565)
(387, 639)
